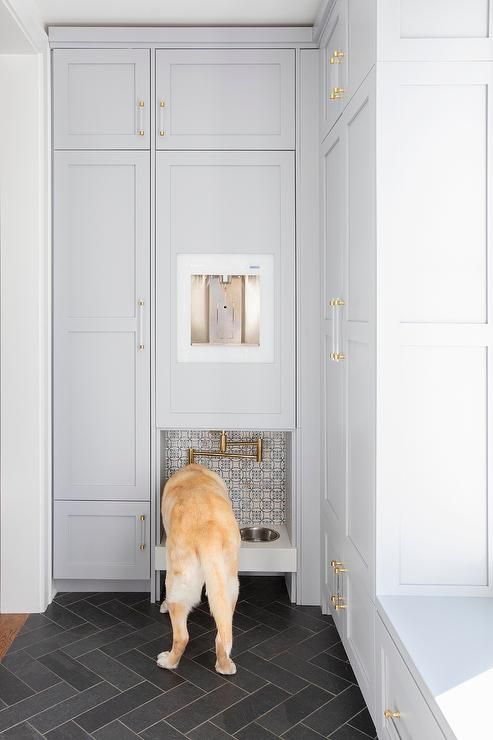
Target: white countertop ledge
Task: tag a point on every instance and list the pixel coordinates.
(278, 556)
(447, 643)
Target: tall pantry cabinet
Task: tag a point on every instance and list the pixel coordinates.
(169, 165)
(405, 170)
(101, 327)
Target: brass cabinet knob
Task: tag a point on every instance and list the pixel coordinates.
(336, 93)
(389, 714)
(335, 563)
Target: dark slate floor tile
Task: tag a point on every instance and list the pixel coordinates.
(302, 732)
(294, 710)
(364, 722)
(280, 641)
(133, 597)
(24, 731)
(192, 671)
(34, 622)
(334, 665)
(115, 731)
(346, 732)
(338, 651)
(312, 673)
(262, 595)
(70, 670)
(109, 669)
(337, 711)
(114, 708)
(165, 640)
(152, 611)
(253, 611)
(293, 616)
(68, 731)
(208, 731)
(102, 597)
(314, 645)
(70, 597)
(65, 618)
(149, 669)
(250, 708)
(201, 644)
(126, 614)
(206, 707)
(202, 617)
(11, 689)
(137, 639)
(72, 707)
(271, 672)
(161, 707)
(62, 640)
(161, 731)
(254, 731)
(242, 678)
(93, 614)
(34, 704)
(29, 670)
(99, 639)
(250, 639)
(35, 636)
(315, 611)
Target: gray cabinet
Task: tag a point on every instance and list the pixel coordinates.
(101, 98)
(101, 540)
(225, 99)
(101, 326)
(225, 215)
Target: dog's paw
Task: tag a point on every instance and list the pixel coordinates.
(163, 661)
(163, 608)
(227, 669)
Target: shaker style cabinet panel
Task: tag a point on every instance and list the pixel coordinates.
(101, 326)
(101, 98)
(401, 711)
(443, 30)
(101, 539)
(225, 290)
(225, 99)
(347, 54)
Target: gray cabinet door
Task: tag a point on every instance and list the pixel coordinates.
(101, 539)
(101, 326)
(101, 98)
(225, 99)
(217, 213)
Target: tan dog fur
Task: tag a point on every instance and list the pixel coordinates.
(202, 545)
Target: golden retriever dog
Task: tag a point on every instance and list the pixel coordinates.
(202, 545)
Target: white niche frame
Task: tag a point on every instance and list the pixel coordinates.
(224, 264)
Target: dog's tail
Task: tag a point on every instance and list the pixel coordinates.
(222, 591)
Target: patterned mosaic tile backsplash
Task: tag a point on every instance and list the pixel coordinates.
(258, 491)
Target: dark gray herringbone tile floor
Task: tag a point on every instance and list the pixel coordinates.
(86, 669)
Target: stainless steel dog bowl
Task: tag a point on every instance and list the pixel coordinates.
(258, 534)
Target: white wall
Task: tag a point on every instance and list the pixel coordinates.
(25, 518)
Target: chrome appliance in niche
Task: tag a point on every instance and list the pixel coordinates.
(225, 309)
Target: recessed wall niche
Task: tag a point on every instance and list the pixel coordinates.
(257, 490)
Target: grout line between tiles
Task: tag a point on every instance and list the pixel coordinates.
(43, 710)
(214, 715)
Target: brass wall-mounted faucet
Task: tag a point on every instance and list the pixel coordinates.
(223, 446)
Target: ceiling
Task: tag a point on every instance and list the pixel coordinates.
(179, 12)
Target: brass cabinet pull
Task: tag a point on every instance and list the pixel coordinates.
(140, 341)
(141, 118)
(336, 93)
(142, 545)
(389, 714)
(336, 353)
(335, 563)
(162, 132)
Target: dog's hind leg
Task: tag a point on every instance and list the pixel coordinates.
(182, 594)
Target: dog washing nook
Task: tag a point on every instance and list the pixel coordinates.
(256, 468)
